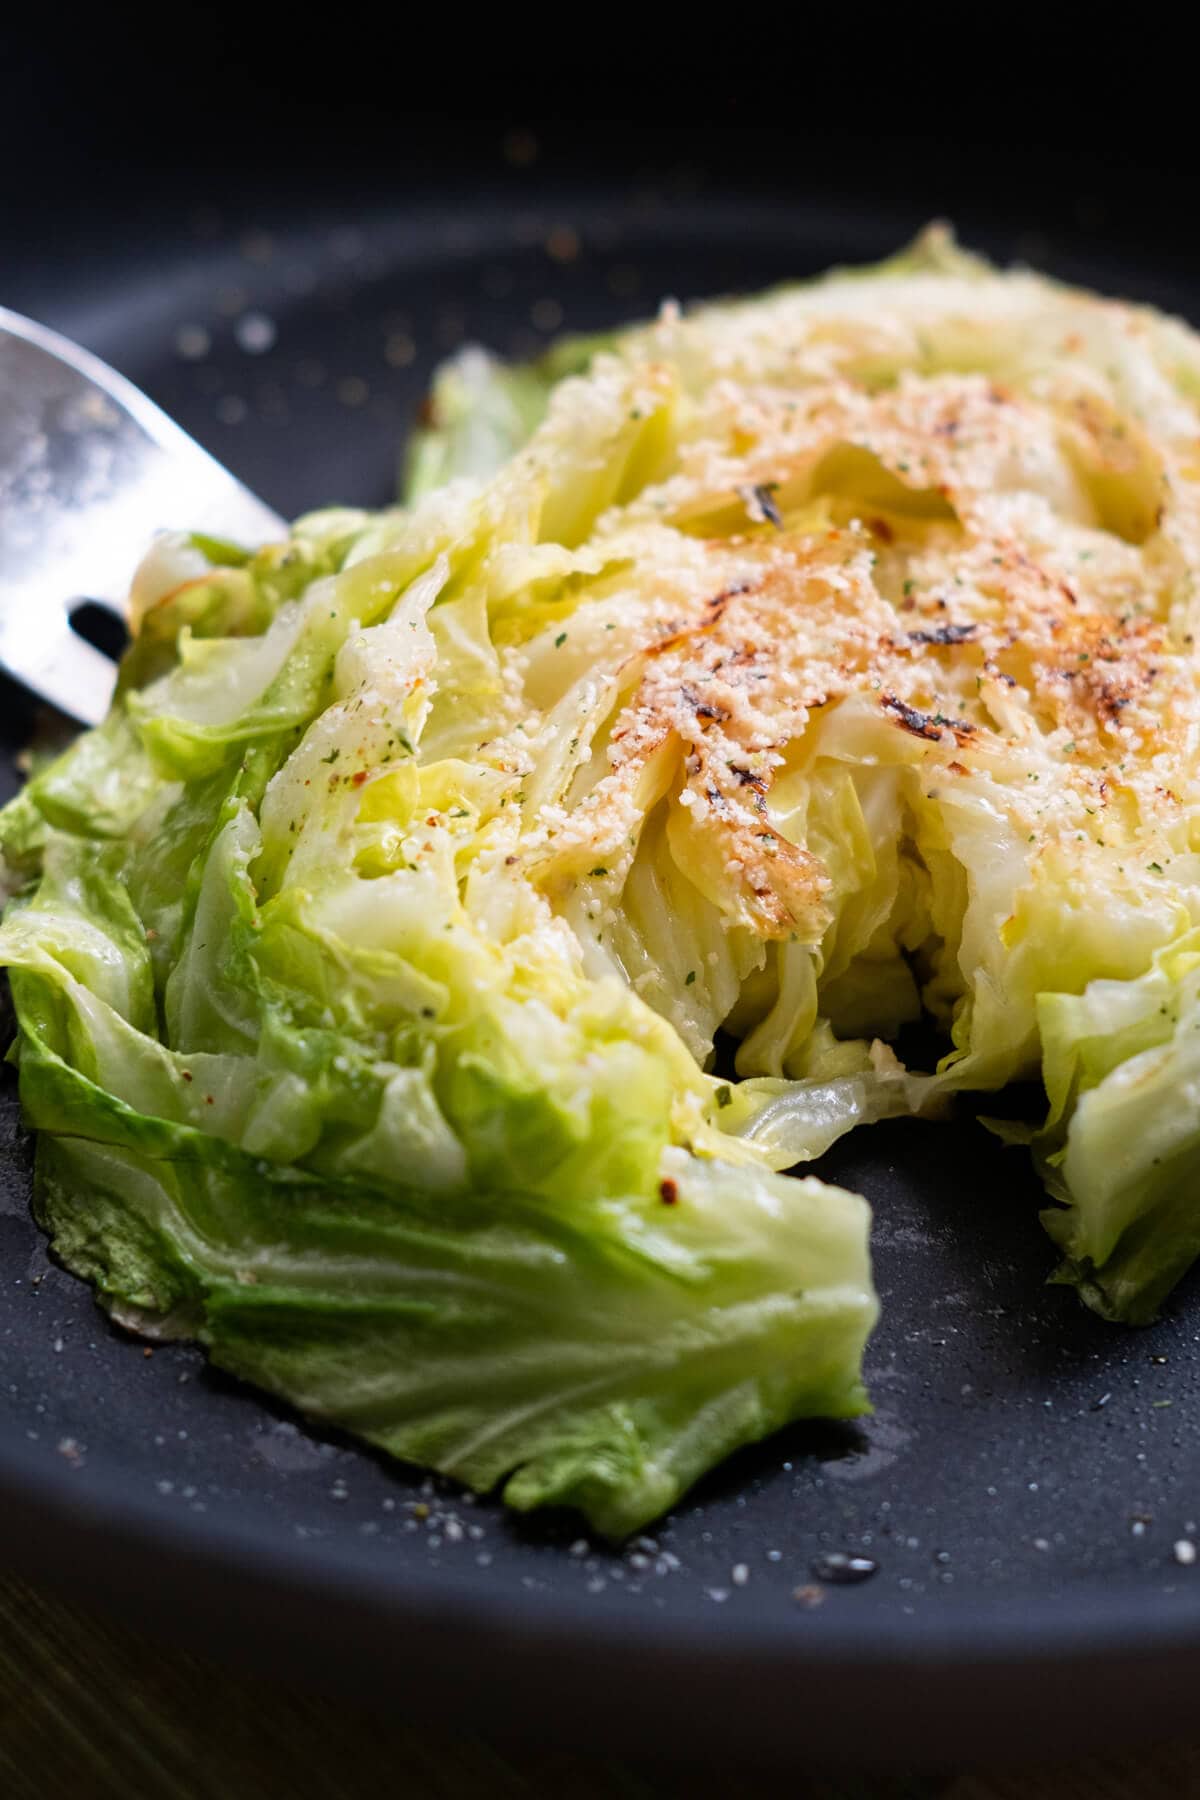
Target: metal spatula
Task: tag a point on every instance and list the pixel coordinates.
(89, 471)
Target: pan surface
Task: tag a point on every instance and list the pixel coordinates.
(1029, 1471)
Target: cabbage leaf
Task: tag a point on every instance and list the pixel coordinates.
(779, 674)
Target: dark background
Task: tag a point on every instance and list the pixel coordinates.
(362, 178)
(112, 126)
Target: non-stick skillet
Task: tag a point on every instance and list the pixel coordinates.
(1029, 1471)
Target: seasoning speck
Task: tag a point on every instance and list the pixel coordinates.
(399, 350)
(1185, 1552)
(759, 501)
(255, 333)
(192, 342)
(842, 1569)
(809, 1595)
(562, 245)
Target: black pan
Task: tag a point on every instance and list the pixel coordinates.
(1028, 1471)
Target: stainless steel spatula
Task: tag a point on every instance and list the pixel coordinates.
(89, 471)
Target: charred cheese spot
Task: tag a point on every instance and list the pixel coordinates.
(877, 557)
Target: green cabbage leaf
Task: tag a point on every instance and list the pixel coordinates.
(468, 912)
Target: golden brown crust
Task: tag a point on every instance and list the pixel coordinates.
(991, 573)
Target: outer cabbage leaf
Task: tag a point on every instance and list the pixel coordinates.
(590, 1357)
(1120, 1151)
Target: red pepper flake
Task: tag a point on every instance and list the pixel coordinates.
(358, 777)
(668, 1192)
(208, 1100)
(186, 1073)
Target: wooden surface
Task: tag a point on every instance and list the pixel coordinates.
(91, 1711)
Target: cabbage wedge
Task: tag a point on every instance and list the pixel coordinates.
(793, 669)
